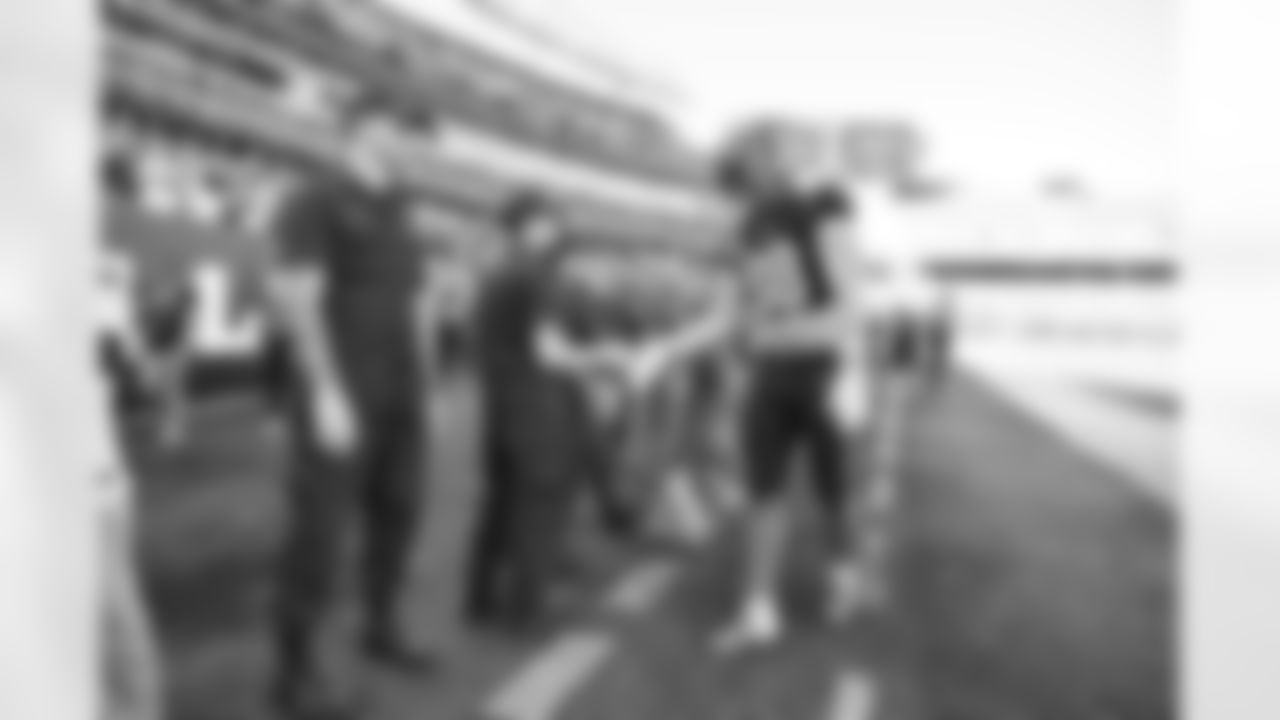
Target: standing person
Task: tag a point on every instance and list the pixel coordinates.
(130, 368)
(452, 281)
(800, 332)
(167, 325)
(348, 287)
(908, 308)
(131, 668)
(910, 304)
(534, 423)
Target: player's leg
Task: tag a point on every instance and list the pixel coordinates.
(836, 451)
(393, 495)
(683, 501)
(175, 400)
(545, 488)
(896, 388)
(491, 544)
(769, 432)
(310, 672)
(132, 668)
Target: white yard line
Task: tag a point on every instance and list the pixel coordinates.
(639, 591)
(541, 689)
(545, 685)
(853, 698)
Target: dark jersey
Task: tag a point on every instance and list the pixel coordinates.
(166, 321)
(361, 242)
(523, 398)
(786, 232)
(786, 271)
(508, 311)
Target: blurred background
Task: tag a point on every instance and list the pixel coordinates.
(1031, 143)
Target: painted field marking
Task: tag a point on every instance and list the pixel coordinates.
(853, 698)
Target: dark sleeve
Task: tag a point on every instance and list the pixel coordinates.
(831, 204)
(571, 309)
(755, 226)
(304, 229)
(482, 320)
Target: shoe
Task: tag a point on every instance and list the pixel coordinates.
(484, 605)
(620, 523)
(522, 626)
(851, 589)
(482, 614)
(758, 624)
(394, 652)
(300, 697)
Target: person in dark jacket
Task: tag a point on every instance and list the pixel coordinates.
(349, 289)
(534, 422)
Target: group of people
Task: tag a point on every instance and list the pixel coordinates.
(770, 339)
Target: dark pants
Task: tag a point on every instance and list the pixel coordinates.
(533, 464)
(919, 347)
(380, 484)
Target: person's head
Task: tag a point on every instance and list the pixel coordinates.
(767, 157)
(814, 159)
(534, 222)
(115, 269)
(372, 136)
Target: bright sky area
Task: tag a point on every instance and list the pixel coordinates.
(1009, 91)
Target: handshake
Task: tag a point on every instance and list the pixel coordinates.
(624, 374)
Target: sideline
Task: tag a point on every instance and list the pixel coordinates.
(1142, 446)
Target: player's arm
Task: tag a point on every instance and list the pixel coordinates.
(138, 353)
(430, 312)
(563, 350)
(650, 358)
(132, 669)
(299, 282)
(564, 339)
(707, 329)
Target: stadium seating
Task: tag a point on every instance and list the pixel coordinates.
(420, 65)
(210, 123)
(210, 93)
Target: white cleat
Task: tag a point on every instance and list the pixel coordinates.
(852, 588)
(758, 624)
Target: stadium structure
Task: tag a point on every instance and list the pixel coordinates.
(212, 109)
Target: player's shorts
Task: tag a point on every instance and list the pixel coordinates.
(904, 343)
(788, 411)
(166, 326)
(125, 388)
